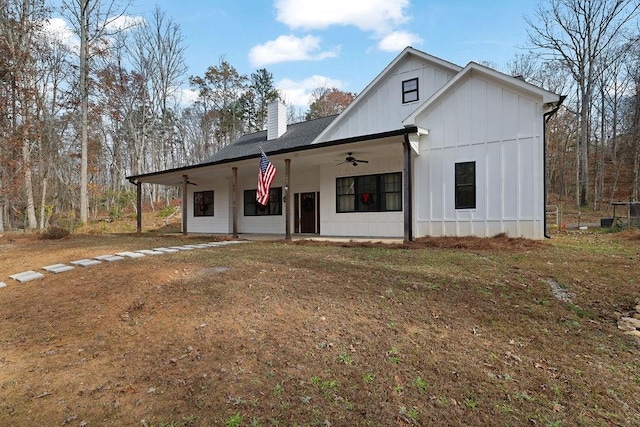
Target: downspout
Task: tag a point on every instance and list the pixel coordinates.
(546, 117)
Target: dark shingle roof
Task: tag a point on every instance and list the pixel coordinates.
(297, 135)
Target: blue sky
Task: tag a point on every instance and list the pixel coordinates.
(340, 43)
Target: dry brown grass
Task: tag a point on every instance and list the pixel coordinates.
(439, 332)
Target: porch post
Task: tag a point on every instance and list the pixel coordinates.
(287, 199)
(234, 200)
(185, 185)
(139, 207)
(406, 185)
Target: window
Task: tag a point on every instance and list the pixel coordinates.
(409, 90)
(466, 185)
(369, 193)
(253, 208)
(203, 203)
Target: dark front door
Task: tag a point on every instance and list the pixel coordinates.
(308, 213)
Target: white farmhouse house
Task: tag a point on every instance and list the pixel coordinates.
(427, 149)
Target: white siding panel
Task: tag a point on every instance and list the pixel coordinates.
(526, 117)
(450, 129)
(478, 155)
(437, 201)
(436, 129)
(462, 110)
(526, 161)
(510, 179)
(494, 180)
(478, 107)
(447, 177)
(493, 108)
(509, 115)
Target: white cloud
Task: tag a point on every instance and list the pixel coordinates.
(378, 16)
(398, 40)
(288, 48)
(187, 96)
(57, 29)
(297, 93)
(124, 22)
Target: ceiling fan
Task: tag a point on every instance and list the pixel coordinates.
(352, 160)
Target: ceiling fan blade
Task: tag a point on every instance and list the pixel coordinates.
(361, 161)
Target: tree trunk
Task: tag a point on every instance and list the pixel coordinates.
(28, 185)
(84, 110)
(584, 148)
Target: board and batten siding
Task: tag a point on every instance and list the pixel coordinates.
(381, 109)
(502, 131)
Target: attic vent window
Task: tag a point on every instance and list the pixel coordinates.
(410, 90)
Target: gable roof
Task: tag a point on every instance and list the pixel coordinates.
(475, 68)
(297, 135)
(408, 51)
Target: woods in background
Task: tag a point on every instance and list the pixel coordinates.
(76, 118)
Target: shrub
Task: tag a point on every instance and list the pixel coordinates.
(54, 233)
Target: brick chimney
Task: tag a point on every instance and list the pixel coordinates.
(276, 119)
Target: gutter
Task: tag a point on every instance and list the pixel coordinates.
(546, 117)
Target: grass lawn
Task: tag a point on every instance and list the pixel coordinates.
(441, 332)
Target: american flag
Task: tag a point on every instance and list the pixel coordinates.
(266, 174)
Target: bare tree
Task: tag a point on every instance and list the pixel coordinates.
(578, 33)
(21, 23)
(94, 21)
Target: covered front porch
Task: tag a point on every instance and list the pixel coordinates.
(307, 179)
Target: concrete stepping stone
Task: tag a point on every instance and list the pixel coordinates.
(86, 262)
(27, 276)
(167, 250)
(3, 285)
(181, 248)
(150, 252)
(130, 254)
(109, 258)
(58, 268)
(231, 242)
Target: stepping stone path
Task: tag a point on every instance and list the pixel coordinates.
(86, 262)
(109, 258)
(631, 324)
(27, 276)
(130, 254)
(150, 252)
(58, 268)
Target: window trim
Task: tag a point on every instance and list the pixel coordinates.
(360, 196)
(250, 204)
(460, 201)
(208, 211)
(406, 92)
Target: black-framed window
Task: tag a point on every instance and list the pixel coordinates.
(203, 203)
(253, 208)
(466, 185)
(369, 193)
(410, 90)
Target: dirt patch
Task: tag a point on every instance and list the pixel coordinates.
(440, 332)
